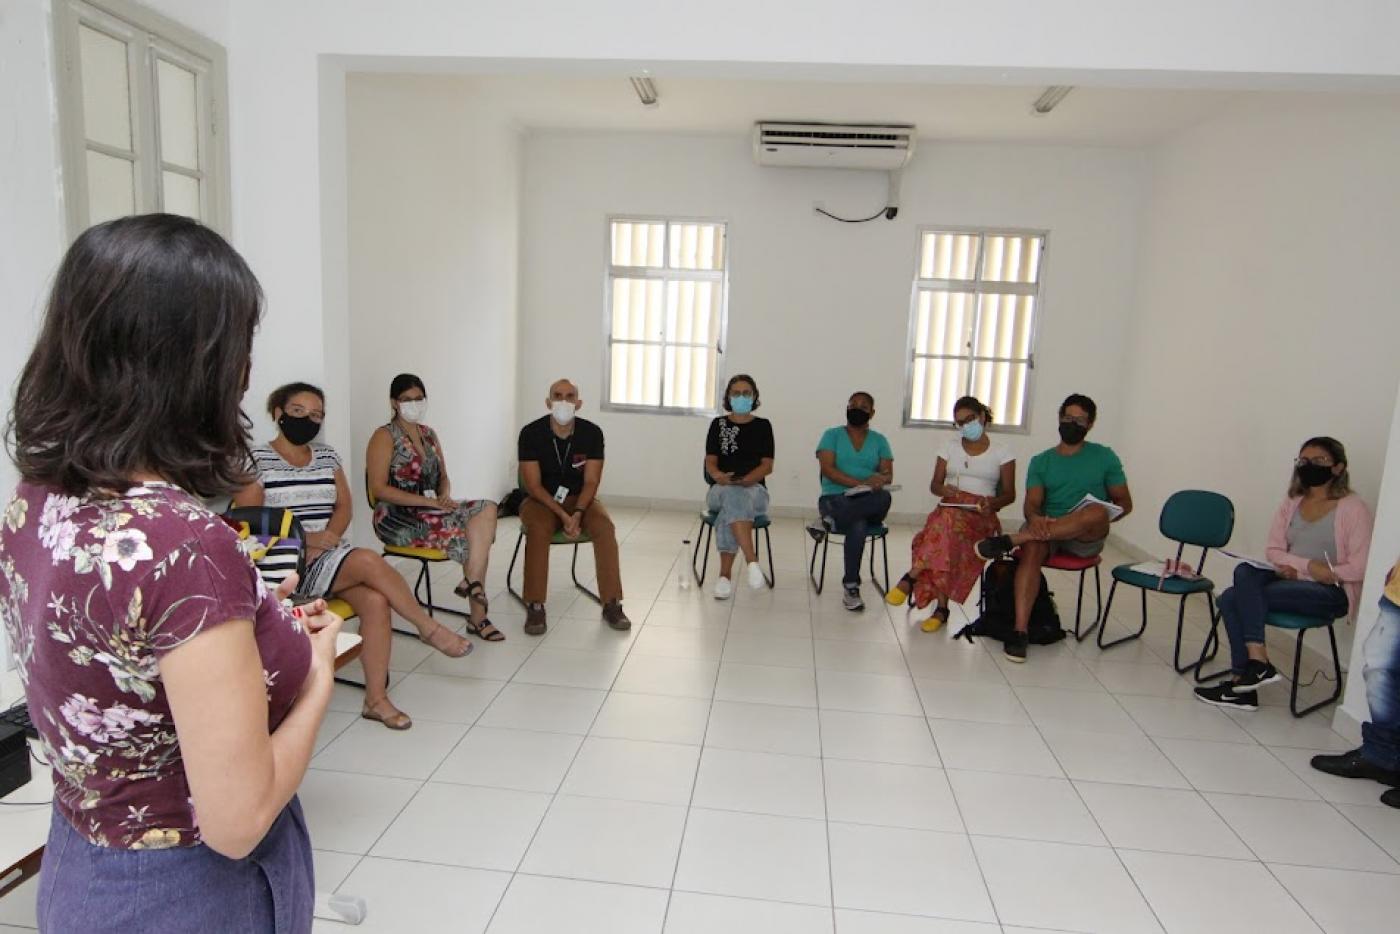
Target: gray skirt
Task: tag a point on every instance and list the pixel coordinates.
(90, 889)
(320, 573)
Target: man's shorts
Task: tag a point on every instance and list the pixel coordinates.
(1076, 548)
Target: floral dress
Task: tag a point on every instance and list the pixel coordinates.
(411, 526)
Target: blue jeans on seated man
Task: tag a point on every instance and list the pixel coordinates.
(1257, 593)
(1380, 736)
(732, 504)
(852, 516)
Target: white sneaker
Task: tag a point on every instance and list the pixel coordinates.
(724, 589)
(756, 579)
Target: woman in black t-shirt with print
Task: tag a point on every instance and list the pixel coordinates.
(738, 455)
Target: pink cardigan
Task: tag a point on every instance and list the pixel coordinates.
(1353, 529)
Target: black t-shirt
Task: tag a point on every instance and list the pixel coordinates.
(561, 460)
(739, 448)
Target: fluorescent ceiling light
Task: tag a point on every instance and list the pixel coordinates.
(646, 90)
(1051, 98)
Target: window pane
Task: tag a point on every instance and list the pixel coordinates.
(693, 311)
(690, 378)
(179, 115)
(1010, 259)
(697, 246)
(180, 194)
(1004, 326)
(937, 385)
(636, 375)
(948, 256)
(106, 96)
(638, 309)
(111, 187)
(1002, 387)
(944, 322)
(638, 243)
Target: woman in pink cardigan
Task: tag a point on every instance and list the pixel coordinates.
(1317, 546)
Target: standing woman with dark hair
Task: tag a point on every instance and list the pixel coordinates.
(176, 700)
(1318, 545)
(738, 455)
(407, 473)
(974, 478)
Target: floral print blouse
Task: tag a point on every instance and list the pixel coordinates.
(93, 591)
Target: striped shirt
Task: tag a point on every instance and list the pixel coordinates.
(309, 492)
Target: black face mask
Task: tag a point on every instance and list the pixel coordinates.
(857, 418)
(1072, 433)
(299, 431)
(1311, 475)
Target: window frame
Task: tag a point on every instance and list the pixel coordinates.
(665, 274)
(150, 38)
(1036, 289)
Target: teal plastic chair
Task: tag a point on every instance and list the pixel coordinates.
(874, 533)
(1198, 518)
(1302, 624)
(762, 528)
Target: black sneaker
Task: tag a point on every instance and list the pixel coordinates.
(1353, 765)
(1391, 798)
(1256, 675)
(852, 601)
(1015, 645)
(1223, 695)
(995, 547)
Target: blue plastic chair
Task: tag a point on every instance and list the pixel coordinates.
(1189, 517)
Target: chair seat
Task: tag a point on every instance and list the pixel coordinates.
(340, 608)
(561, 539)
(425, 554)
(759, 522)
(1297, 621)
(1067, 562)
(1124, 573)
(874, 531)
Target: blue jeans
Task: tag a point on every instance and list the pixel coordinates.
(853, 516)
(1258, 592)
(1380, 736)
(732, 504)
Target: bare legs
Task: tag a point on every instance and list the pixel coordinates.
(365, 568)
(373, 610)
(1085, 525)
(481, 532)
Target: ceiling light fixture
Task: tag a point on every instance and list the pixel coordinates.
(1051, 98)
(646, 90)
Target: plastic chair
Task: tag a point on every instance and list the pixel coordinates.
(1302, 624)
(1189, 517)
(557, 539)
(876, 532)
(424, 557)
(1075, 564)
(761, 524)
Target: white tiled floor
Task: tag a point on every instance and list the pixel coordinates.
(774, 764)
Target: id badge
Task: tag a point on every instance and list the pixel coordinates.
(561, 494)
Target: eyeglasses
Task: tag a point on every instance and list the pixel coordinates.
(740, 392)
(958, 423)
(1314, 461)
(1081, 420)
(301, 411)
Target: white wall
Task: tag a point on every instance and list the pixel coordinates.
(1266, 306)
(818, 309)
(433, 207)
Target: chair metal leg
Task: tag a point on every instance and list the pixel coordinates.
(1103, 625)
(702, 543)
(510, 572)
(1211, 647)
(818, 583)
(573, 572)
(885, 551)
(771, 575)
(1297, 667)
(1079, 605)
(425, 599)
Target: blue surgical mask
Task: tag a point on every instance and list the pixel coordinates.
(972, 431)
(742, 405)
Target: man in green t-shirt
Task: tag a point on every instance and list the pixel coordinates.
(1073, 491)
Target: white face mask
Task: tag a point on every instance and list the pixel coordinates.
(413, 410)
(562, 412)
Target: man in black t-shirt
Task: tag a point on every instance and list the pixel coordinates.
(561, 465)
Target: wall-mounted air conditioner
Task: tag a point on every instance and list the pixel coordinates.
(883, 147)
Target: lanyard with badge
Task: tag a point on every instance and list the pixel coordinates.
(562, 493)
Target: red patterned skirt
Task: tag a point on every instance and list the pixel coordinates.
(945, 562)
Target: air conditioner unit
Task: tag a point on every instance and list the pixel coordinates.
(883, 147)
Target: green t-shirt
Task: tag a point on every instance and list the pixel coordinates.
(859, 464)
(1093, 469)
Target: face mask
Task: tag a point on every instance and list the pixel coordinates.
(299, 431)
(857, 418)
(742, 405)
(1311, 475)
(1070, 433)
(563, 412)
(972, 431)
(413, 410)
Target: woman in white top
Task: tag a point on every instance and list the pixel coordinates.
(974, 477)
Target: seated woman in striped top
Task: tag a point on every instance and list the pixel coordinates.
(295, 472)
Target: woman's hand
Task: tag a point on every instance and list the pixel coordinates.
(722, 479)
(984, 506)
(875, 481)
(322, 626)
(1320, 572)
(446, 503)
(1287, 572)
(322, 541)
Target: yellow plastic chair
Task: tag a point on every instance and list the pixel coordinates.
(423, 585)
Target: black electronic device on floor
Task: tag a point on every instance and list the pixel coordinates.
(14, 758)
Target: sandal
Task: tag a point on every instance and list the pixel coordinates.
(936, 620)
(485, 630)
(473, 591)
(449, 646)
(900, 591)
(398, 720)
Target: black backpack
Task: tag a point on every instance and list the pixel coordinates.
(998, 619)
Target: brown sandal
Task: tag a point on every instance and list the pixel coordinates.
(459, 646)
(398, 720)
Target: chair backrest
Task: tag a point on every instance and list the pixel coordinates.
(1198, 517)
(369, 491)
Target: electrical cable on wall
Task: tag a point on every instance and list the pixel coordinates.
(888, 212)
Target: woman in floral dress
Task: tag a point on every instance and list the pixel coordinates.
(176, 699)
(414, 506)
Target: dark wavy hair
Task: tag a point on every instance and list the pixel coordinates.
(974, 405)
(279, 397)
(740, 378)
(403, 383)
(1084, 402)
(1340, 485)
(141, 362)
